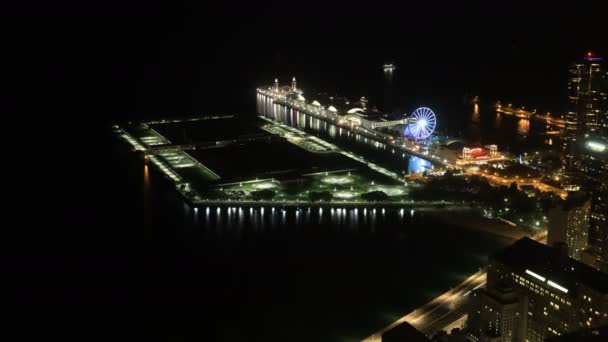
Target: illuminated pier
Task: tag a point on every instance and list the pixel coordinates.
(277, 100)
(524, 114)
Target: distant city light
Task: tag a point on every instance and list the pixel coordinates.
(596, 146)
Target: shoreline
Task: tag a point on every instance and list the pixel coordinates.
(479, 223)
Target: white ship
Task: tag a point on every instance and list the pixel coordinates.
(389, 67)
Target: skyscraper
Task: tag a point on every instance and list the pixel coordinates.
(569, 224)
(585, 152)
(587, 109)
(604, 95)
(593, 154)
(534, 291)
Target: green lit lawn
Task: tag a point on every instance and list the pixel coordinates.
(344, 186)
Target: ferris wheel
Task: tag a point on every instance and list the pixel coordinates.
(421, 124)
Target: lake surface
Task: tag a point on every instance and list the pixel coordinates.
(298, 274)
(159, 266)
(243, 273)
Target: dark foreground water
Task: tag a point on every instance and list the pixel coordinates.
(151, 266)
(137, 266)
(240, 274)
(148, 265)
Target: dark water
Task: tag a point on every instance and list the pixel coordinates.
(331, 274)
(151, 263)
(251, 273)
(140, 262)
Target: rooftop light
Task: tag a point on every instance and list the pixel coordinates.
(596, 146)
(557, 286)
(541, 278)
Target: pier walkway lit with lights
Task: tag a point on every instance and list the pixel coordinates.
(271, 97)
(292, 99)
(524, 114)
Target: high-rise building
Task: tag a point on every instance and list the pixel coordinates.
(495, 316)
(591, 335)
(569, 224)
(533, 292)
(587, 110)
(604, 119)
(593, 154)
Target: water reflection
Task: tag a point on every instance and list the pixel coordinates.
(523, 126)
(237, 223)
(344, 138)
(497, 120)
(418, 165)
(389, 74)
(332, 131)
(475, 117)
(147, 193)
(146, 177)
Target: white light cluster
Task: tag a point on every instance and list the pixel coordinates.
(549, 282)
(557, 286)
(596, 146)
(541, 278)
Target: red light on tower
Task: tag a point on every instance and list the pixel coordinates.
(589, 54)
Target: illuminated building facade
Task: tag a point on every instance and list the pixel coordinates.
(587, 110)
(592, 335)
(533, 292)
(493, 150)
(495, 316)
(478, 153)
(475, 153)
(594, 168)
(285, 101)
(569, 224)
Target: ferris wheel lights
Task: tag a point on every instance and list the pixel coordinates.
(421, 124)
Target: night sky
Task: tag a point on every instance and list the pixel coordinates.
(144, 64)
(112, 61)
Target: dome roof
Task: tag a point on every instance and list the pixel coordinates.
(355, 110)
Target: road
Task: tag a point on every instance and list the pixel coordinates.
(496, 180)
(439, 312)
(445, 309)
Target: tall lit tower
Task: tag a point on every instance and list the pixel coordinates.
(604, 119)
(587, 110)
(276, 84)
(594, 168)
(293, 84)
